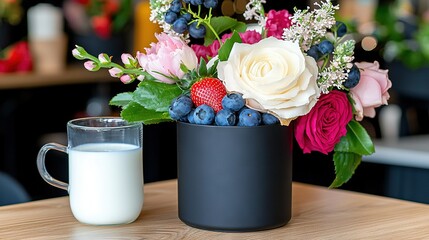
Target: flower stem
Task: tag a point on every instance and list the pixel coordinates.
(206, 20)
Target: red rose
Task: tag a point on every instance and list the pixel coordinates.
(322, 128)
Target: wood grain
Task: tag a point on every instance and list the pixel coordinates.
(318, 213)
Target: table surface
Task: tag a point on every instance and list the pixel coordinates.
(318, 213)
(410, 151)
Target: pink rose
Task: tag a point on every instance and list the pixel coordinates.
(371, 91)
(322, 128)
(277, 21)
(163, 59)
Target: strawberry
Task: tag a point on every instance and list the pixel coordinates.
(209, 91)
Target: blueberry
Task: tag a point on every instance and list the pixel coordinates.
(210, 3)
(180, 107)
(204, 114)
(249, 118)
(325, 47)
(269, 119)
(175, 6)
(180, 25)
(170, 17)
(341, 28)
(225, 117)
(233, 102)
(196, 2)
(187, 1)
(353, 78)
(314, 52)
(190, 116)
(187, 16)
(197, 31)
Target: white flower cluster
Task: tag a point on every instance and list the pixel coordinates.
(158, 8)
(308, 27)
(255, 10)
(337, 71)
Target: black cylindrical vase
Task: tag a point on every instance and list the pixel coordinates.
(234, 179)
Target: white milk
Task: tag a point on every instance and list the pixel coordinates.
(106, 183)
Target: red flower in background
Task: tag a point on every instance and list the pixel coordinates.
(102, 26)
(83, 2)
(16, 58)
(105, 17)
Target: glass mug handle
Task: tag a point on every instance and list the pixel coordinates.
(42, 167)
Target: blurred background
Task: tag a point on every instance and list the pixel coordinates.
(42, 87)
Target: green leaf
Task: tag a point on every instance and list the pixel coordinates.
(202, 70)
(345, 166)
(220, 25)
(156, 96)
(226, 48)
(212, 71)
(135, 112)
(121, 99)
(356, 140)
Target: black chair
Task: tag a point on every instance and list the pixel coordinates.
(11, 191)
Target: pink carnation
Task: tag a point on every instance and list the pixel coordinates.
(201, 51)
(249, 37)
(163, 59)
(277, 21)
(322, 128)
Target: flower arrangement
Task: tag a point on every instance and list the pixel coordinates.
(11, 11)
(297, 71)
(103, 17)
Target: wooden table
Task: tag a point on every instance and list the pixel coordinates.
(318, 213)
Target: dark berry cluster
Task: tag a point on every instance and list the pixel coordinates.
(326, 47)
(233, 113)
(182, 20)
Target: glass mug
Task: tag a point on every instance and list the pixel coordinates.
(105, 169)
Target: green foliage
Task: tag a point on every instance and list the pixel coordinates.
(349, 151)
(220, 25)
(156, 96)
(149, 103)
(121, 99)
(124, 15)
(226, 48)
(134, 112)
(402, 42)
(356, 140)
(345, 166)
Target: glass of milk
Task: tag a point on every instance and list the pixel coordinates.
(105, 169)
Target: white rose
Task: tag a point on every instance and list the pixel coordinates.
(274, 76)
